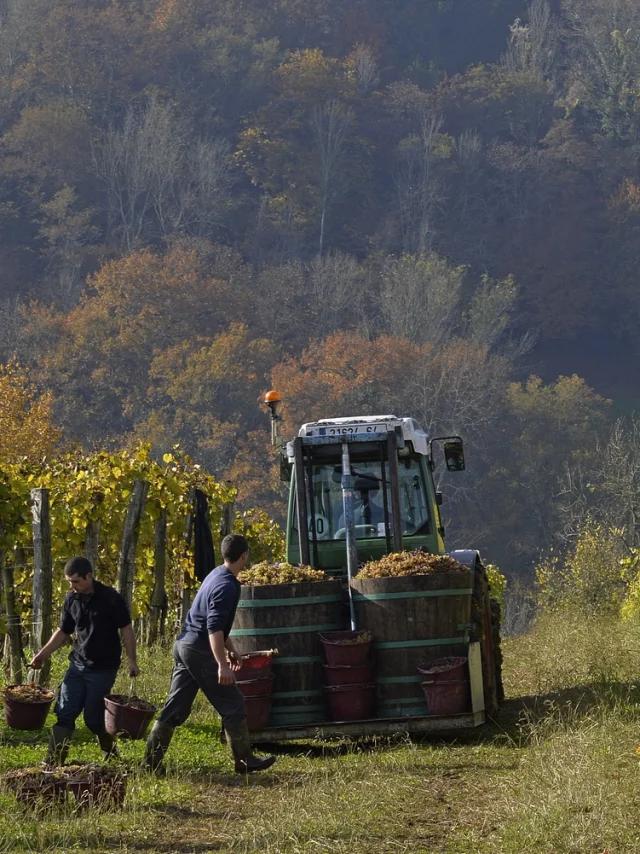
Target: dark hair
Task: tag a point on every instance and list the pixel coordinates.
(78, 565)
(233, 547)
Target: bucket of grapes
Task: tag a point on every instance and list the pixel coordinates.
(26, 706)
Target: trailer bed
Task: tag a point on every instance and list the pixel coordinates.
(369, 727)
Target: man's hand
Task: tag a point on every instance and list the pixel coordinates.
(225, 675)
(37, 661)
(134, 670)
(235, 660)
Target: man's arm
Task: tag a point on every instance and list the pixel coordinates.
(219, 650)
(129, 641)
(57, 639)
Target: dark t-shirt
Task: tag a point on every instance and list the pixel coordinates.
(95, 619)
(213, 609)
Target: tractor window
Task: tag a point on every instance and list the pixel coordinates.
(368, 500)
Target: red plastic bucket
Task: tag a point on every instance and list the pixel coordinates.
(255, 665)
(447, 669)
(346, 648)
(348, 674)
(447, 698)
(124, 720)
(26, 716)
(256, 687)
(258, 711)
(350, 702)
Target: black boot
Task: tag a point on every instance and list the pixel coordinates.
(109, 748)
(157, 745)
(58, 748)
(239, 740)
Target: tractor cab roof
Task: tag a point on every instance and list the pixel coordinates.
(367, 425)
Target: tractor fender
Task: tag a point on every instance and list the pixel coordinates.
(484, 627)
(467, 557)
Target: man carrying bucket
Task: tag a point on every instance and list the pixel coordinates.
(205, 660)
(94, 614)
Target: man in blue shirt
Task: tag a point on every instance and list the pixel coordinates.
(205, 660)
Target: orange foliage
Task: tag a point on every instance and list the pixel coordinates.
(26, 428)
(344, 375)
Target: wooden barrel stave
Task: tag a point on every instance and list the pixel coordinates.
(288, 617)
(412, 619)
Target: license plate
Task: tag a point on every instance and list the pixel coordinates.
(350, 429)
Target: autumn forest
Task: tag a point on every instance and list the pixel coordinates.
(410, 206)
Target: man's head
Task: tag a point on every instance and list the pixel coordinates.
(235, 548)
(79, 574)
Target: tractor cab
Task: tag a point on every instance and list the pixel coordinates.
(362, 486)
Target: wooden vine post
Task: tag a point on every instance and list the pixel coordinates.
(160, 563)
(127, 557)
(42, 577)
(228, 518)
(92, 534)
(14, 632)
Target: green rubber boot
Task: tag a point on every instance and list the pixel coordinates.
(239, 740)
(109, 748)
(157, 745)
(59, 741)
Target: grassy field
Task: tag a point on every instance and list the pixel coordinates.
(558, 772)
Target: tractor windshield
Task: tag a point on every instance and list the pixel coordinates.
(368, 500)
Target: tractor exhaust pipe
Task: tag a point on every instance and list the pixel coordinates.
(349, 524)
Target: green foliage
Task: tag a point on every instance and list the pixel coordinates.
(595, 577)
(497, 585)
(266, 539)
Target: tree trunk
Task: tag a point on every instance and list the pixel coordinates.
(127, 558)
(160, 562)
(42, 578)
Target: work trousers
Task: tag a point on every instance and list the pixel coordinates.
(83, 689)
(196, 669)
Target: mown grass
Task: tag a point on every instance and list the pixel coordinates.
(558, 772)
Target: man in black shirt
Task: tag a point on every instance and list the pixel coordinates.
(205, 659)
(94, 614)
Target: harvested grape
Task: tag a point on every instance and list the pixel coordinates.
(409, 563)
(31, 693)
(280, 573)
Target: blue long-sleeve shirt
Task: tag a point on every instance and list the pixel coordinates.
(213, 609)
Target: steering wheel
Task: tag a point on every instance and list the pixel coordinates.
(360, 530)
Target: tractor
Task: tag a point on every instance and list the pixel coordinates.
(361, 488)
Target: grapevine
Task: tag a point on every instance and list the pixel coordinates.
(97, 487)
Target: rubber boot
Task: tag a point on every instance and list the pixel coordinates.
(157, 745)
(109, 748)
(239, 740)
(59, 741)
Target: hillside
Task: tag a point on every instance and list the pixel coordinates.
(408, 206)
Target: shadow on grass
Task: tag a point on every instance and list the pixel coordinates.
(170, 847)
(518, 717)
